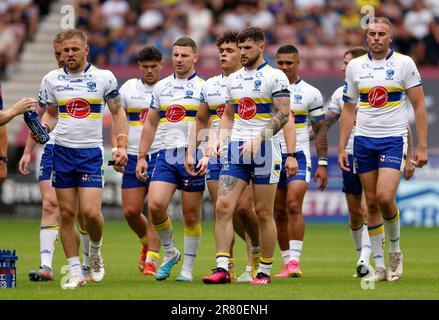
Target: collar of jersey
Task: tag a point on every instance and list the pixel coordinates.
(260, 67)
(297, 82)
(85, 70)
(387, 58)
(190, 78)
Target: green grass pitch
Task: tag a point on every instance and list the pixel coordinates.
(328, 263)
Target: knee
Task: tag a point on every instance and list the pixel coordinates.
(49, 207)
(372, 206)
(384, 200)
(293, 208)
(156, 208)
(223, 208)
(264, 214)
(131, 212)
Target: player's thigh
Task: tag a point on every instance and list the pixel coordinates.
(191, 207)
(67, 202)
(230, 189)
(354, 202)
(295, 193)
(90, 201)
(133, 200)
(212, 186)
(48, 195)
(369, 183)
(159, 195)
(280, 202)
(387, 185)
(245, 205)
(264, 195)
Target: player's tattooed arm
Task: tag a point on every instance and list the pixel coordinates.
(226, 184)
(320, 130)
(281, 105)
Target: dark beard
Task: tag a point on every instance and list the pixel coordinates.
(251, 62)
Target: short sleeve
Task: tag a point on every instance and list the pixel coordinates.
(155, 102)
(350, 90)
(316, 106)
(111, 87)
(336, 101)
(123, 95)
(280, 85)
(411, 77)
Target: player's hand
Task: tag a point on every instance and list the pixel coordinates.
(113, 157)
(409, 168)
(202, 166)
(141, 169)
(291, 167)
(189, 164)
(343, 161)
(23, 165)
(250, 148)
(120, 157)
(3, 171)
(421, 157)
(321, 174)
(25, 104)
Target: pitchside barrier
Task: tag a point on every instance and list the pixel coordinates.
(417, 199)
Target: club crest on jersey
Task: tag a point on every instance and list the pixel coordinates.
(78, 108)
(247, 108)
(389, 74)
(142, 115)
(220, 110)
(189, 94)
(378, 97)
(382, 157)
(91, 86)
(257, 85)
(298, 98)
(175, 113)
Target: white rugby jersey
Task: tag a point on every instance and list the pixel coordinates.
(214, 91)
(136, 97)
(251, 92)
(80, 98)
(379, 86)
(335, 105)
(306, 104)
(42, 103)
(178, 101)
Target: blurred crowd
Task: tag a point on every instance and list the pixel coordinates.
(322, 29)
(119, 28)
(18, 23)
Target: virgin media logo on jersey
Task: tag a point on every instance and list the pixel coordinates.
(247, 108)
(175, 113)
(142, 115)
(78, 108)
(220, 110)
(378, 97)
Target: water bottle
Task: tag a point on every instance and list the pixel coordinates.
(31, 119)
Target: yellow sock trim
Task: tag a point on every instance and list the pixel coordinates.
(164, 225)
(82, 231)
(144, 240)
(223, 254)
(394, 219)
(194, 231)
(54, 227)
(231, 261)
(153, 255)
(375, 230)
(266, 261)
